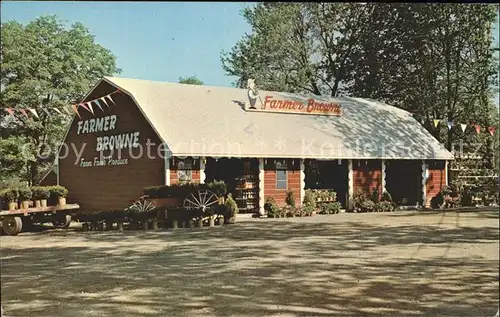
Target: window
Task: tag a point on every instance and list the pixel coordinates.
(281, 175)
(184, 172)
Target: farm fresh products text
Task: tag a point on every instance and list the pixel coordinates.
(104, 143)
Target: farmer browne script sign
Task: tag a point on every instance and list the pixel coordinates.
(312, 106)
(109, 144)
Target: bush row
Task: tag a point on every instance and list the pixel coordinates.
(181, 191)
(374, 202)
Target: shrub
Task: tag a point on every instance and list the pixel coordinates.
(374, 196)
(383, 206)
(358, 199)
(307, 210)
(231, 206)
(9, 195)
(366, 206)
(218, 187)
(386, 196)
(330, 208)
(309, 199)
(25, 193)
(58, 191)
(271, 207)
(467, 196)
(290, 198)
(437, 201)
(40, 192)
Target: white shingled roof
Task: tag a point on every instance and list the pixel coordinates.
(210, 121)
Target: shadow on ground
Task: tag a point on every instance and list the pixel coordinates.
(357, 265)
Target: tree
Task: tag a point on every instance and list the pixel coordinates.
(193, 80)
(45, 65)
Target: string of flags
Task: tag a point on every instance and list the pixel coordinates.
(463, 126)
(88, 105)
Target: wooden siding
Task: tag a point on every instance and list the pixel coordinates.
(111, 187)
(367, 176)
(293, 182)
(436, 180)
(49, 179)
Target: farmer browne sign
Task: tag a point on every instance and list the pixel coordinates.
(107, 143)
(312, 106)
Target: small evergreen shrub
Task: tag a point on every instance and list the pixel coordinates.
(9, 195)
(24, 193)
(290, 198)
(309, 199)
(231, 206)
(40, 192)
(271, 207)
(58, 191)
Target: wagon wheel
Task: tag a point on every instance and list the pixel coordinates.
(12, 225)
(201, 200)
(61, 221)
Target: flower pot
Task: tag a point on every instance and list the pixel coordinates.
(43, 203)
(119, 225)
(25, 204)
(199, 223)
(38, 203)
(175, 224)
(12, 205)
(211, 222)
(61, 201)
(145, 225)
(190, 223)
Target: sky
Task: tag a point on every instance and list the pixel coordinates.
(152, 40)
(155, 40)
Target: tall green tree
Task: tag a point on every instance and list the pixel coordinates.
(193, 80)
(45, 65)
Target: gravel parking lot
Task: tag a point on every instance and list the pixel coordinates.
(380, 264)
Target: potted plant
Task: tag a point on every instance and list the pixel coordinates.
(59, 194)
(40, 195)
(25, 195)
(10, 196)
(231, 208)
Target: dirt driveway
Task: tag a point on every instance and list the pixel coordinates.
(390, 264)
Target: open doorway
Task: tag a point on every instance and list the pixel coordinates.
(332, 174)
(403, 180)
(241, 177)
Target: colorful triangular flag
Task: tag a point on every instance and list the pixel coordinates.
(105, 102)
(463, 126)
(98, 104)
(450, 124)
(436, 122)
(109, 96)
(33, 111)
(89, 104)
(492, 130)
(10, 111)
(478, 128)
(24, 113)
(84, 106)
(75, 109)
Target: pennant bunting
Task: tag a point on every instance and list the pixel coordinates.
(109, 96)
(436, 122)
(23, 111)
(89, 104)
(10, 111)
(33, 111)
(450, 124)
(104, 100)
(57, 110)
(463, 126)
(492, 130)
(75, 109)
(84, 106)
(98, 104)
(478, 128)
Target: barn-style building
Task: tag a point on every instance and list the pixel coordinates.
(153, 133)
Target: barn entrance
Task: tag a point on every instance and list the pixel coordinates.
(332, 174)
(241, 177)
(403, 180)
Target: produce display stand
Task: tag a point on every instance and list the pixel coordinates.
(13, 220)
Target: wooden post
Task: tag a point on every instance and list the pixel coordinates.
(350, 204)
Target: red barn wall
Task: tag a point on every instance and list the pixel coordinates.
(110, 187)
(436, 180)
(367, 176)
(293, 178)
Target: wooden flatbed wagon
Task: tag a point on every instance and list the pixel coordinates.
(13, 220)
